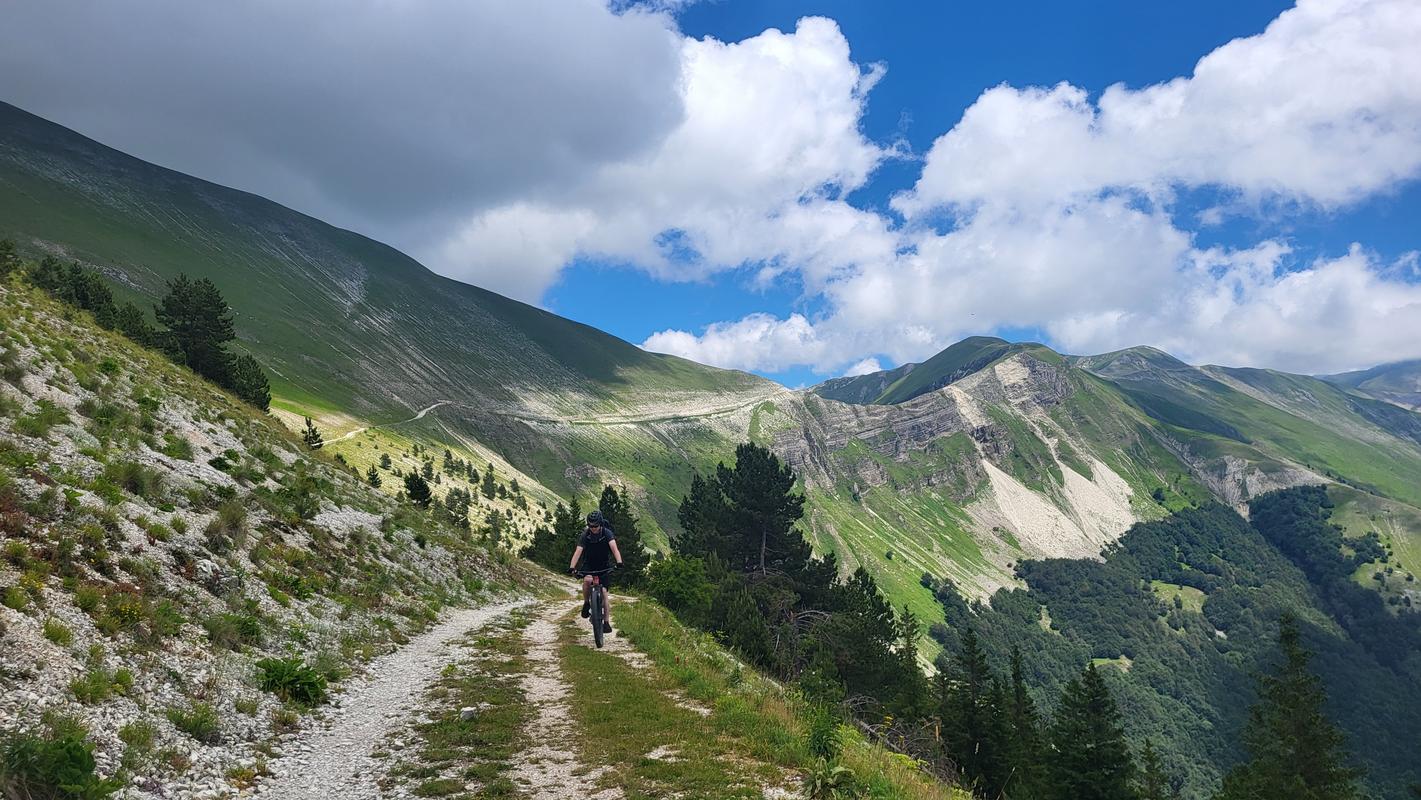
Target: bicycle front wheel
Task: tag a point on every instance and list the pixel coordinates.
(599, 613)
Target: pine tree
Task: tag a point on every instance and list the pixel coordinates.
(1295, 752)
(9, 259)
(1089, 759)
(248, 381)
(372, 477)
(1154, 784)
(312, 436)
(131, 323)
(385, 461)
(488, 488)
(426, 469)
(762, 508)
(199, 325)
(1024, 752)
(619, 515)
(701, 515)
(968, 715)
(417, 489)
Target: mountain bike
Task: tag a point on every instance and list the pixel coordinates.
(599, 601)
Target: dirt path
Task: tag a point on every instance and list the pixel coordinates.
(550, 769)
(359, 431)
(336, 761)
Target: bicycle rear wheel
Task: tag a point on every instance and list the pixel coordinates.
(598, 614)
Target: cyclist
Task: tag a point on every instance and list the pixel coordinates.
(596, 548)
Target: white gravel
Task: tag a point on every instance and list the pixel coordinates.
(336, 761)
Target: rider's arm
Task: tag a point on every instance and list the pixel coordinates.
(577, 556)
(615, 551)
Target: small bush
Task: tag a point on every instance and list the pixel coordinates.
(87, 598)
(135, 478)
(291, 680)
(59, 767)
(45, 417)
(15, 598)
(176, 447)
(199, 721)
(284, 720)
(58, 632)
(229, 529)
(233, 631)
(245, 705)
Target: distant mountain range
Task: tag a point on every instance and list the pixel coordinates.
(961, 466)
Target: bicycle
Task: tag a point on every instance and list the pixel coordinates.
(599, 600)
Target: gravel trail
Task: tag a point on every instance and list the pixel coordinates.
(335, 762)
(550, 769)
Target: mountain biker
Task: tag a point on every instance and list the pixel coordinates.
(596, 548)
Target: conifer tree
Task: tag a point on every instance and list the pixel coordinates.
(969, 714)
(385, 461)
(1154, 784)
(1295, 752)
(248, 381)
(312, 436)
(1089, 758)
(761, 508)
(701, 514)
(488, 488)
(9, 259)
(131, 323)
(1024, 751)
(426, 469)
(619, 515)
(372, 477)
(198, 326)
(417, 489)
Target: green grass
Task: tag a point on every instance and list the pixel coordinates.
(750, 715)
(1191, 599)
(453, 754)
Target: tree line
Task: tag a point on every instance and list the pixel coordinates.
(741, 569)
(195, 324)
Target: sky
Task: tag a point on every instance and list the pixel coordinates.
(809, 189)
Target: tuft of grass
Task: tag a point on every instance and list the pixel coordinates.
(37, 424)
(292, 680)
(58, 632)
(199, 720)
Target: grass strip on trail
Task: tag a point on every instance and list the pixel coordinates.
(629, 720)
(756, 716)
(465, 759)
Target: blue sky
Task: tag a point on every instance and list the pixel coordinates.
(808, 189)
(939, 58)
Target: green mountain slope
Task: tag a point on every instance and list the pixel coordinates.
(960, 467)
(1398, 383)
(338, 318)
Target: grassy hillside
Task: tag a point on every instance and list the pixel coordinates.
(340, 319)
(158, 539)
(1398, 383)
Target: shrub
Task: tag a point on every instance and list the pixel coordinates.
(87, 597)
(229, 529)
(59, 767)
(58, 632)
(233, 631)
(15, 598)
(176, 447)
(198, 721)
(291, 680)
(680, 583)
(245, 705)
(45, 417)
(134, 478)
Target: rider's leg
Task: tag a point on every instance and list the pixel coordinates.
(606, 606)
(586, 594)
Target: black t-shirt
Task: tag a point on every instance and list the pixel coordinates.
(596, 553)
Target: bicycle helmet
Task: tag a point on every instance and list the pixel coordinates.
(596, 518)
